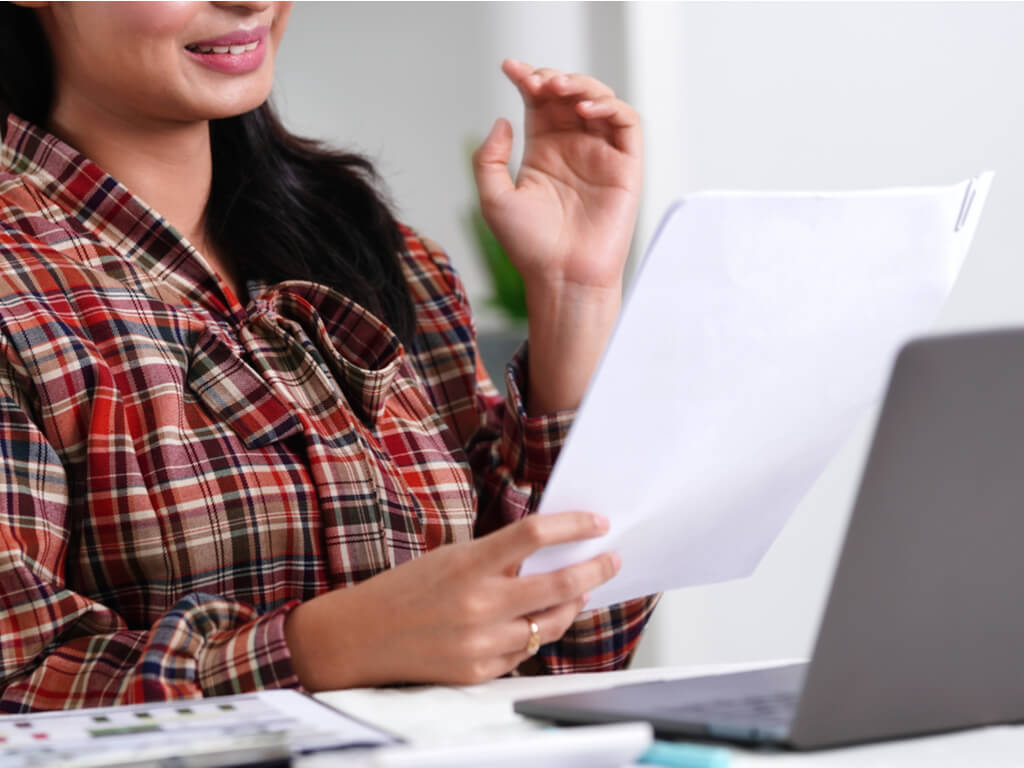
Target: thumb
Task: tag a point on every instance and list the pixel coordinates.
(490, 163)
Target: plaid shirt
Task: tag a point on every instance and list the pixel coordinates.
(179, 471)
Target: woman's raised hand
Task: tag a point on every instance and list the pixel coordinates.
(568, 217)
(566, 221)
(459, 614)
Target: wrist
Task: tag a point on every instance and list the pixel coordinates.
(303, 638)
(569, 327)
(569, 293)
(572, 317)
(324, 655)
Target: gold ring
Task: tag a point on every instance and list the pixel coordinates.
(533, 644)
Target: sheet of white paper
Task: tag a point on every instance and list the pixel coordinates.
(760, 328)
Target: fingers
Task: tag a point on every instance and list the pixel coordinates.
(551, 623)
(504, 646)
(510, 545)
(536, 85)
(593, 102)
(490, 163)
(541, 590)
(481, 632)
(616, 119)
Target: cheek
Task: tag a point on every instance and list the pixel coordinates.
(124, 42)
(155, 20)
(280, 23)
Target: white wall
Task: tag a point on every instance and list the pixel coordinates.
(763, 95)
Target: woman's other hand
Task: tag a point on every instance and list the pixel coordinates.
(566, 221)
(569, 215)
(456, 615)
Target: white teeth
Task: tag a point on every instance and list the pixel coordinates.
(235, 49)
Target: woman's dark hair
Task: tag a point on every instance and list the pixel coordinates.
(281, 206)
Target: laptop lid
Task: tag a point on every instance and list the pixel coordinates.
(924, 627)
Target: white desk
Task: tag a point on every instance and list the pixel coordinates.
(431, 715)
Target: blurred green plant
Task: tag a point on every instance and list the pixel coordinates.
(509, 294)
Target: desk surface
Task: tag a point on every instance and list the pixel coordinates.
(431, 715)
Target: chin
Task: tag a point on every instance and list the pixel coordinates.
(240, 110)
(233, 105)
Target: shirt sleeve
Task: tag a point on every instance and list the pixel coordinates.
(59, 648)
(510, 452)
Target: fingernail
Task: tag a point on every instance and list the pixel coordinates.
(586, 104)
(586, 598)
(616, 561)
(601, 522)
(562, 80)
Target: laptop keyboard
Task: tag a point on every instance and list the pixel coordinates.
(775, 708)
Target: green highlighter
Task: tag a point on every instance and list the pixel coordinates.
(680, 755)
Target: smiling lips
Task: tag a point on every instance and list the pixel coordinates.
(235, 49)
(235, 53)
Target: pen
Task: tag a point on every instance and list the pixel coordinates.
(680, 755)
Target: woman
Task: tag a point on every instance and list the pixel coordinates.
(237, 432)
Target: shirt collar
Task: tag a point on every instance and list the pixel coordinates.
(116, 215)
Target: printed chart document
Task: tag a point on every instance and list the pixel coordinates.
(245, 729)
(759, 330)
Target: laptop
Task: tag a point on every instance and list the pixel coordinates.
(923, 630)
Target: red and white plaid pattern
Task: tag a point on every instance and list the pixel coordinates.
(178, 470)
